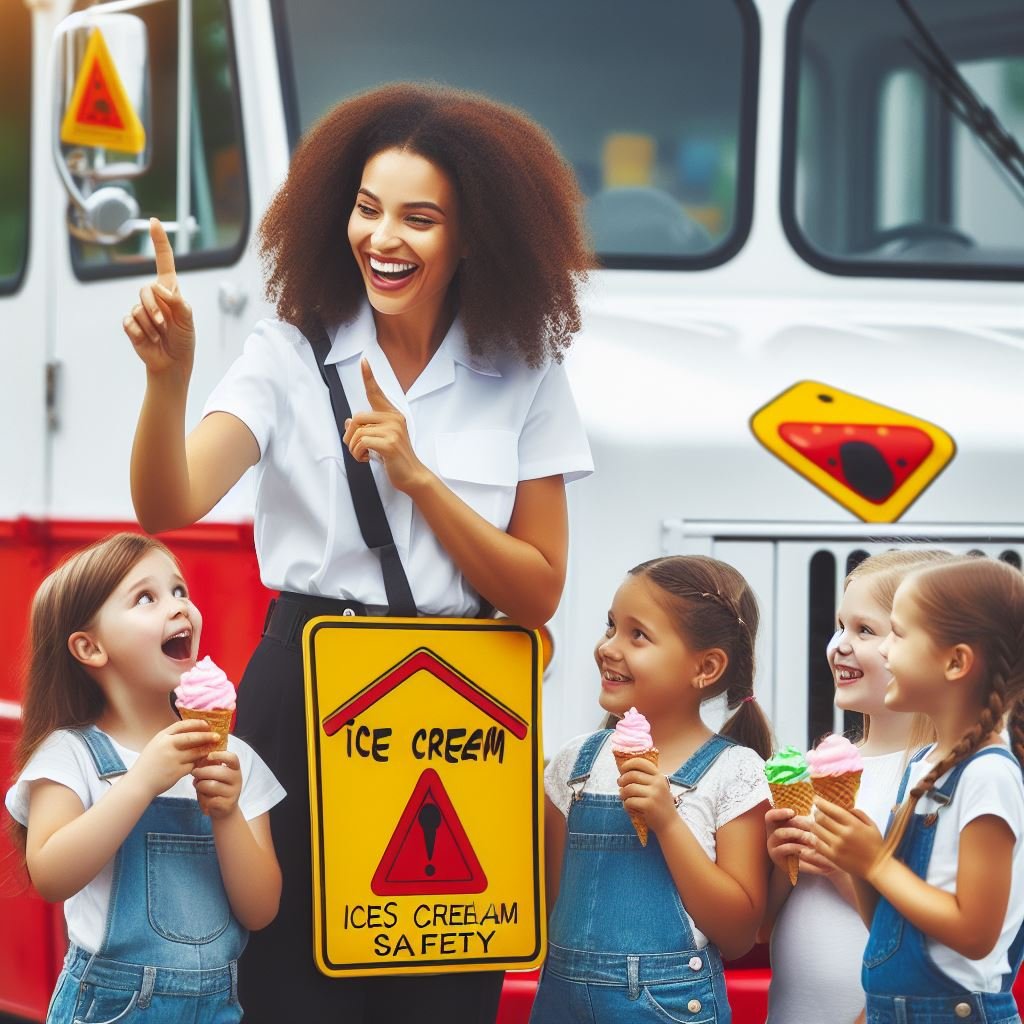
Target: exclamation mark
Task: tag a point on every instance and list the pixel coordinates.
(430, 820)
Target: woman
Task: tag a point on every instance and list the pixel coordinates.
(446, 314)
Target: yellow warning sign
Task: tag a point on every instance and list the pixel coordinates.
(100, 113)
(870, 458)
(426, 789)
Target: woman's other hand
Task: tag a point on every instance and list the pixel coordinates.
(160, 324)
(382, 432)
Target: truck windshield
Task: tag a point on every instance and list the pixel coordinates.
(892, 165)
(651, 102)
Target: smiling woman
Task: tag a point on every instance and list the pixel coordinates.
(429, 243)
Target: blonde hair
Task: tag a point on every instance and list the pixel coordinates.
(883, 573)
(979, 602)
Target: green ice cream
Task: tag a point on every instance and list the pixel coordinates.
(787, 767)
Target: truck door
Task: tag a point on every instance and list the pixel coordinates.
(195, 178)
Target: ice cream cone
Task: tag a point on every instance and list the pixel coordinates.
(219, 719)
(621, 757)
(799, 797)
(839, 789)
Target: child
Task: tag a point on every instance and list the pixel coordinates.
(159, 886)
(638, 933)
(818, 936)
(944, 892)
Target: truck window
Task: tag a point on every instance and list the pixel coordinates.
(15, 136)
(218, 186)
(883, 174)
(652, 103)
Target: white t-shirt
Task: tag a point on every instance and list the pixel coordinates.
(63, 757)
(481, 423)
(731, 786)
(989, 785)
(818, 940)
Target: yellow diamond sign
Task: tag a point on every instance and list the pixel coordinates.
(873, 460)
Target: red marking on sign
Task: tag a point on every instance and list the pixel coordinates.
(429, 852)
(872, 460)
(98, 107)
(424, 660)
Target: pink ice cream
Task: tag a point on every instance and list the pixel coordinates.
(205, 687)
(632, 733)
(834, 755)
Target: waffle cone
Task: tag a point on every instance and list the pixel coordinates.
(799, 797)
(219, 719)
(621, 757)
(839, 789)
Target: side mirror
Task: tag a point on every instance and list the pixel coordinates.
(101, 120)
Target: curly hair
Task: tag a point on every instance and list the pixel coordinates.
(519, 202)
(980, 602)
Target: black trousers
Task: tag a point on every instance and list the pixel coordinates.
(278, 980)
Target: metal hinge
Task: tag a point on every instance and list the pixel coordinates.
(53, 370)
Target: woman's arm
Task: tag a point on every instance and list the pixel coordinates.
(554, 848)
(175, 481)
(521, 571)
(968, 920)
(725, 897)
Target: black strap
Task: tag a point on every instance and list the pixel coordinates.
(373, 523)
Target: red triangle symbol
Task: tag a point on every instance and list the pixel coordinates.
(429, 852)
(871, 459)
(98, 106)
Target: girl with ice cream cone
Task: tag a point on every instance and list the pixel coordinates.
(655, 857)
(816, 933)
(158, 844)
(943, 892)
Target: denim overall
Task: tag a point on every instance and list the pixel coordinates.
(621, 947)
(896, 960)
(171, 943)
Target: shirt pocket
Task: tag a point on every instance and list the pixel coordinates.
(482, 468)
(185, 893)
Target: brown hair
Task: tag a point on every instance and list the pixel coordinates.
(519, 206)
(713, 606)
(884, 572)
(980, 602)
(59, 692)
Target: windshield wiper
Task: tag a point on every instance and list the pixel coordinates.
(963, 101)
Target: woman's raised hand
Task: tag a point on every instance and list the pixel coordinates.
(160, 324)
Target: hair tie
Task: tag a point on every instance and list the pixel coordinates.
(749, 696)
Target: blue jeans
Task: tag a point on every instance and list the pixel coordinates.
(171, 944)
(621, 947)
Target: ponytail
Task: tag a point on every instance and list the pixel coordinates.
(977, 601)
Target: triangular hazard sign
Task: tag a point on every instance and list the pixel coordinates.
(100, 113)
(429, 852)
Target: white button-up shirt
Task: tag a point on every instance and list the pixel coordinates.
(481, 424)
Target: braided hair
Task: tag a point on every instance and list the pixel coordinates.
(713, 606)
(978, 602)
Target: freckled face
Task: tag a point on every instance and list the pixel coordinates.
(858, 668)
(645, 663)
(405, 234)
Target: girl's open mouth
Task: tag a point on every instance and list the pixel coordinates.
(179, 646)
(391, 271)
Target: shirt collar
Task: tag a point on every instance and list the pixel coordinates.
(360, 335)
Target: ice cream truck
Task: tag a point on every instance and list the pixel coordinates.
(804, 343)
